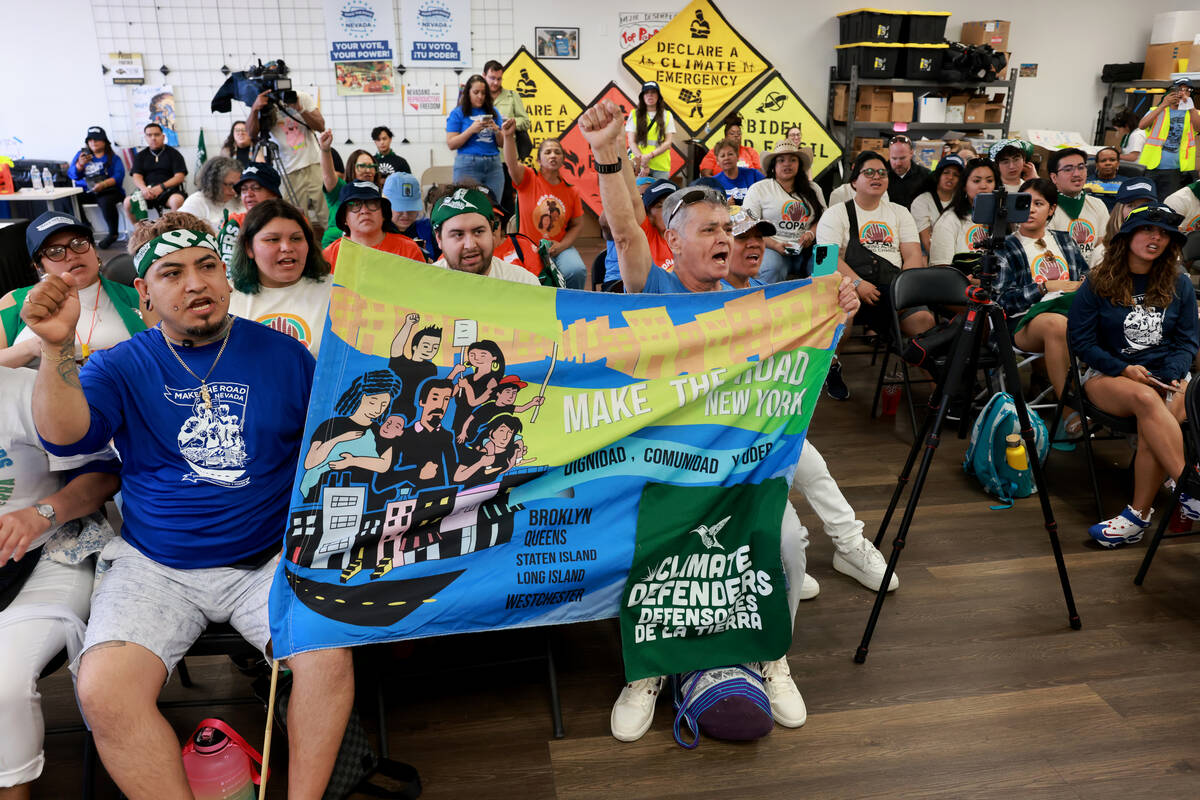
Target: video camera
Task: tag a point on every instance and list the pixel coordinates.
(246, 86)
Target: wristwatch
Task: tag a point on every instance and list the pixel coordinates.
(608, 169)
(856, 282)
(46, 512)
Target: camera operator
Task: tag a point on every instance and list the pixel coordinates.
(159, 172)
(293, 128)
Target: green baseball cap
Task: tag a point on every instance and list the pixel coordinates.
(463, 201)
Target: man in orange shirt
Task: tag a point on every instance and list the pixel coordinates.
(747, 156)
(366, 217)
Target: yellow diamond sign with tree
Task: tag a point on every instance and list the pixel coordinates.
(550, 105)
(701, 64)
(767, 115)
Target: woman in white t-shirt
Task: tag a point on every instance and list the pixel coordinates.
(650, 132)
(1036, 262)
(279, 276)
(954, 231)
(790, 202)
(928, 206)
(217, 197)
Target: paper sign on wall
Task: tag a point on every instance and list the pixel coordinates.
(550, 105)
(579, 168)
(700, 63)
(155, 104)
(769, 112)
(425, 98)
(635, 27)
(364, 77)
(126, 69)
(360, 30)
(436, 33)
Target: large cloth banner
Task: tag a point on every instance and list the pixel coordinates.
(769, 112)
(550, 105)
(360, 30)
(476, 451)
(700, 63)
(436, 33)
(579, 167)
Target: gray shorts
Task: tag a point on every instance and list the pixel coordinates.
(165, 610)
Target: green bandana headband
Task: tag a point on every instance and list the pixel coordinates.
(168, 243)
(463, 201)
(1025, 147)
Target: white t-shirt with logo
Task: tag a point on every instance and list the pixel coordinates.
(841, 194)
(1041, 266)
(1186, 203)
(298, 310)
(297, 144)
(791, 214)
(212, 213)
(952, 236)
(502, 270)
(27, 472)
(881, 231)
(924, 211)
(1087, 231)
(100, 326)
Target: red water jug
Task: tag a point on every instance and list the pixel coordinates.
(220, 765)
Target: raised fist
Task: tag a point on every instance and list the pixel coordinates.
(51, 309)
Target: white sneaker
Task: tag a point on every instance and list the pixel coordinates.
(634, 710)
(809, 588)
(865, 564)
(787, 706)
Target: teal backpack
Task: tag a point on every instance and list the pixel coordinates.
(985, 458)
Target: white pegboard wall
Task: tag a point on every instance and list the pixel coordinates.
(194, 41)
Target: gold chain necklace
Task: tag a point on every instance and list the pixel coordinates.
(204, 393)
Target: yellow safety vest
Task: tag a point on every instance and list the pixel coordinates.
(1157, 137)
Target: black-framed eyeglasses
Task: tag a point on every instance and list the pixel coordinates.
(1068, 168)
(356, 206)
(58, 252)
(873, 173)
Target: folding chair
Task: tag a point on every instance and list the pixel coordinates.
(1191, 449)
(940, 288)
(1075, 397)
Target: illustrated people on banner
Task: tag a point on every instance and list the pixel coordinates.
(505, 403)
(699, 27)
(413, 369)
(526, 86)
(487, 368)
(497, 449)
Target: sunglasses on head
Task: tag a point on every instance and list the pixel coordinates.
(899, 140)
(1155, 214)
(694, 196)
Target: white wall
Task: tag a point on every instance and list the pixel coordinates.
(49, 100)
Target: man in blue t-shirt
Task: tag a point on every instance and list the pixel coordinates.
(207, 412)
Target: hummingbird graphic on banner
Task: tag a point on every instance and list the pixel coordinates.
(709, 535)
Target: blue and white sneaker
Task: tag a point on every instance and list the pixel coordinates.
(1125, 528)
(1189, 507)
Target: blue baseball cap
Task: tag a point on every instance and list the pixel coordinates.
(1138, 189)
(262, 174)
(48, 224)
(403, 191)
(660, 190)
(360, 190)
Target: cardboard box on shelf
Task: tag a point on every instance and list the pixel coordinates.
(902, 107)
(992, 31)
(956, 108)
(1163, 59)
(862, 143)
(841, 102)
(874, 105)
(974, 110)
(993, 111)
(1172, 26)
(927, 152)
(931, 108)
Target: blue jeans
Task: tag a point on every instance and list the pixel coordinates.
(573, 270)
(485, 169)
(776, 267)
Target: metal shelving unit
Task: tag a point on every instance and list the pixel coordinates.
(1109, 103)
(854, 127)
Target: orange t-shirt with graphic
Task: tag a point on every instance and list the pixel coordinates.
(396, 243)
(545, 208)
(659, 252)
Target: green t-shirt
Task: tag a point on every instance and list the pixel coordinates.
(333, 232)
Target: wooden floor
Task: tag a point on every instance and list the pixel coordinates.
(975, 686)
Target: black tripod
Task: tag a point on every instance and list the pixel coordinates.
(958, 379)
(266, 146)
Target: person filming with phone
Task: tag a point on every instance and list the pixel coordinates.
(1169, 153)
(1133, 322)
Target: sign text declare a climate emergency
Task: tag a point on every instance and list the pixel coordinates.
(699, 64)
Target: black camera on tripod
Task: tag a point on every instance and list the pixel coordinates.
(246, 86)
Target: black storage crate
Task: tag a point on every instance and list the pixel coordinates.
(870, 25)
(875, 60)
(922, 62)
(924, 27)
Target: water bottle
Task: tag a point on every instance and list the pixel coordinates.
(138, 206)
(47, 180)
(35, 178)
(890, 399)
(216, 768)
(1014, 453)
